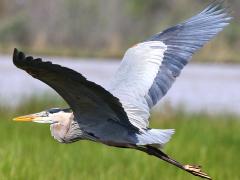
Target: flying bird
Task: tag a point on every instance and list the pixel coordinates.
(118, 116)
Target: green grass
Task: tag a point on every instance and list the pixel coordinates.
(27, 150)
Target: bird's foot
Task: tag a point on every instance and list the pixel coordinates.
(196, 170)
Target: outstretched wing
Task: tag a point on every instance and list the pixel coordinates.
(92, 105)
(149, 69)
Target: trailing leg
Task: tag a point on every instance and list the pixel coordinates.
(193, 169)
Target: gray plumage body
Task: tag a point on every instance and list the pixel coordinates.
(119, 115)
(68, 130)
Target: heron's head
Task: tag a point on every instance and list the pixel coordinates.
(59, 120)
(51, 116)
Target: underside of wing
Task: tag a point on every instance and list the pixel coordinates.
(136, 74)
(92, 105)
(149, 69)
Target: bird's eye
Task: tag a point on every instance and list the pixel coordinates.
(53, 110)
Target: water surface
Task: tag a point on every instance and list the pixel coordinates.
(200, 87)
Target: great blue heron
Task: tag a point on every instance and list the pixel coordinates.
(119, 116)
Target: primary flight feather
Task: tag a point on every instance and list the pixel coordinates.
(119, 115)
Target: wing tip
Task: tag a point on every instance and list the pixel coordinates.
(17, 56)
(221, 7)
(218, 11)
(15, 51)
(20, 59)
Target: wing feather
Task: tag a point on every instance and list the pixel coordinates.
(92, 105)
(149, 69)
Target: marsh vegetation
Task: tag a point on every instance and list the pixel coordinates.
(27, 150)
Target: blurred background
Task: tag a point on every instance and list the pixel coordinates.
(91, 37)
(104, 28)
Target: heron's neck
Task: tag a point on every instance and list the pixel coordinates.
(74, 133)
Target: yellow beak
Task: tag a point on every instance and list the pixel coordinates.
(25, 118)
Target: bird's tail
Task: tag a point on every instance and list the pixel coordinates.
(156, 137)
